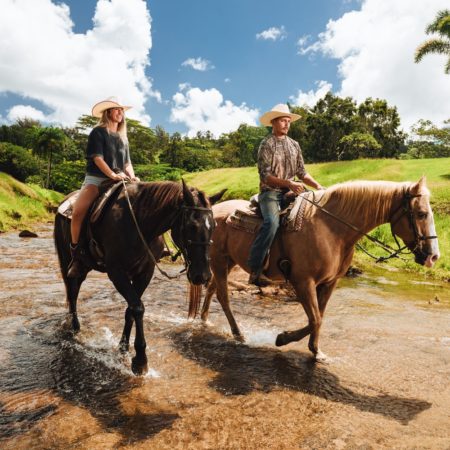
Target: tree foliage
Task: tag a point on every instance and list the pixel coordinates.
(439, 45)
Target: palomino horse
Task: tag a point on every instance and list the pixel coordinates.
(321, 252)
(157, 207)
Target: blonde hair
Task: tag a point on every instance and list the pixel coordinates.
(121, 128)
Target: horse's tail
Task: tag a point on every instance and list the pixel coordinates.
(195, 296)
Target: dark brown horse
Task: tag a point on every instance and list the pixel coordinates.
(321, 252)
(158, 207)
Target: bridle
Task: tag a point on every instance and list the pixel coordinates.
(404, 208)
(183, 248)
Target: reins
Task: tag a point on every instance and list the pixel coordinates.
(180, 250)
(150, 253)
(394, 253)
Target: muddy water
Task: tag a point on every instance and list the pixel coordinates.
(385, 385)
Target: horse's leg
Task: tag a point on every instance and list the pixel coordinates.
(136, 313)
(140, 282)
(72, 290)
(306, 292)
(210, 291)
(220, 270)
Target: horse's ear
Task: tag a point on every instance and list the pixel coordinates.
(188, 198)
(416, 188)
(216, 197)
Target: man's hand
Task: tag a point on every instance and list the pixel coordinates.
(296, 187)
(119, 177)
(135, 179)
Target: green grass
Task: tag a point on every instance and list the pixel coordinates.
(22, 205)
(243, 183)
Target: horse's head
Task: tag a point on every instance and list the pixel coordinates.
(192, 234)
(413, 222)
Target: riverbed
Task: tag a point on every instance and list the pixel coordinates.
(384, 385)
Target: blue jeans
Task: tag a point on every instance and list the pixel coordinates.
(270, 203)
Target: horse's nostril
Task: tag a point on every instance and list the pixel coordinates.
(434, 258)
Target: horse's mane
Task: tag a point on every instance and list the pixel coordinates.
(155, 196)
(367, 199)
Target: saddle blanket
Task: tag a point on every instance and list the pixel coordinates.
(250, 220)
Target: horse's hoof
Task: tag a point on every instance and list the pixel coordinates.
(124, 347)
(139, 367)
(281, 340)
(320, 357)
(75, 325)
(240, 338)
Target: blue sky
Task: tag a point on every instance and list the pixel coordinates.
(207, 64)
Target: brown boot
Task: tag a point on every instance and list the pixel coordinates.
(76, 267)
(258, 279)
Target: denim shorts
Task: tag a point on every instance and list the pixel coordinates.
(96, 180)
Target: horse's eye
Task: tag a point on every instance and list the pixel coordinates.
(422, 215)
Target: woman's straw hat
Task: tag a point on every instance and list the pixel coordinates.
(280, 110)
(111, 102)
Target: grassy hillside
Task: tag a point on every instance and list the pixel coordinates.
(22, 204)
(243, 182)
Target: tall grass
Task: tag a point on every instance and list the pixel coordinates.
(22, 205)
(243, 183)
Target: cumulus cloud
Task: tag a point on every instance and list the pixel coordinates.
(24, 111)
(301, 43)
(273, 34)
(207, 111)
(311, 97)
(68, 72)
(198, 64)
(375, 46)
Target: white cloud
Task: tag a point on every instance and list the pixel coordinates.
(273, 34)
(376, 45)
(301, 43)
(25, 111)
(43, 59)
(198, 64)
(310, 98)
(207, 111)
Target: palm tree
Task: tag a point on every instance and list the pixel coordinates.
(441, 26)
(48, 142)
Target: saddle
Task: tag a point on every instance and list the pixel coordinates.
(109, 191)
(250, 220)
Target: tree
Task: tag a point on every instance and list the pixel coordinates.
(358, 145)
(48, 142)
(381, 121)
(441, 26)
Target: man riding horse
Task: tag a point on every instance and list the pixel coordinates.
(279, 161)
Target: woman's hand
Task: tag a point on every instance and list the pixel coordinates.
(119, 176)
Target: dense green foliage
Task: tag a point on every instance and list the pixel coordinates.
(335, 129)
(17, 161)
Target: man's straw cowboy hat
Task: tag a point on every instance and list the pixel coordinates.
(111, 102)
(280, 110)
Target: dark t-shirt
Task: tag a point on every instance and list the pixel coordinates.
(110, 147)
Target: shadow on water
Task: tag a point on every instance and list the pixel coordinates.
(242, 369)
(62, 368)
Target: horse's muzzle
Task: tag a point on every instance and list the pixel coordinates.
(199, 278)
(425, 259)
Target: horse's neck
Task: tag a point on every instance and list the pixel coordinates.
(367, 213)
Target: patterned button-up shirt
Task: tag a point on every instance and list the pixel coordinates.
(281, 158)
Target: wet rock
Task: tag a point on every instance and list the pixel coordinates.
(27, 234)
(353, 272)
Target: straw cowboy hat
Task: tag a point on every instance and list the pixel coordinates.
(280, 110)
(111, 102)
